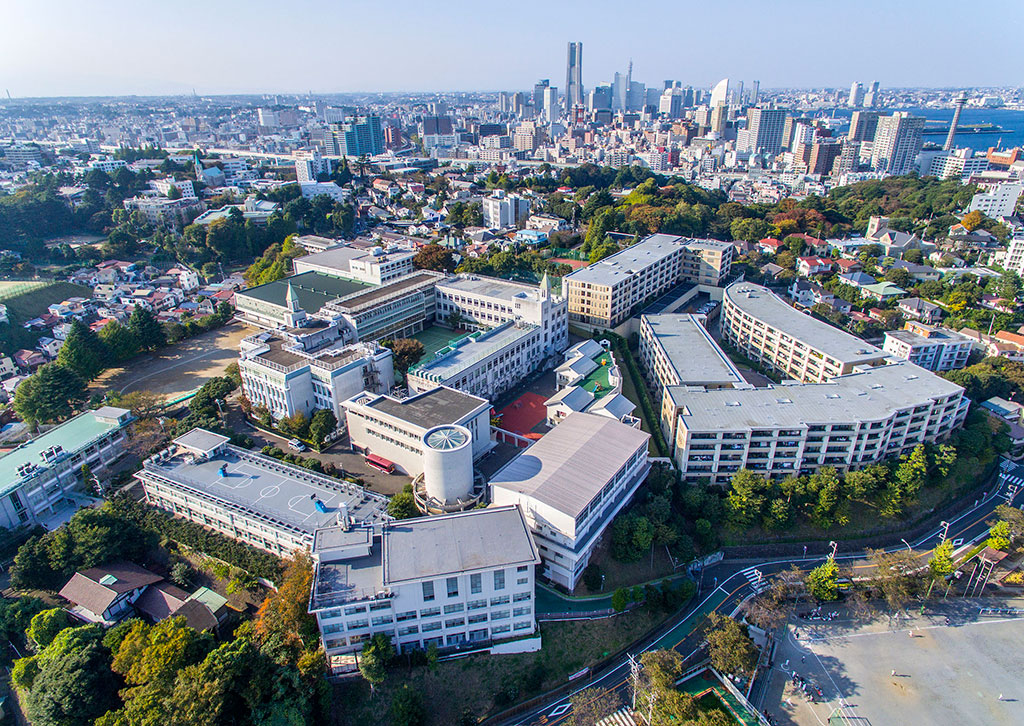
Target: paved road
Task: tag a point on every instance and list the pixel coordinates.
(731, 583)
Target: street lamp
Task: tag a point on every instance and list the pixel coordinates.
(909, 548)
(835, 546)
(945, 530)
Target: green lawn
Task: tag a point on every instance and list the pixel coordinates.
(31, 304)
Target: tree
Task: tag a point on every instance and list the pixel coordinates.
(600, 251)
(620, 599)
(46, 625)
(892, 576)
(119, 341)
(147, 329)
(407, 707)
(403, 504)
(374, 659)
(591, 705)
(632, 536)
(899, 276)
(323, 423)
(941, 563)
(746, 498)
(181, 573)
(999, 536)
(435, 257)
(656, 691)
(83, 351)
(283, 614)
(822, 581)
(74, 684)
(729, 646)
(912, 472)
(972, 220)
(51, 394)
(173, 192)
(406, 352)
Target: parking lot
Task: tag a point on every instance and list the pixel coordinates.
(918, 670)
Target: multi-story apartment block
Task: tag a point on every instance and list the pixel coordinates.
(485, 364)
(185, 186)
(253, 498)
(929, 346)
(1014, 259)
(852, 421)
(479, 303)
(607, 293)
(170, 214)
(300, 370)
(768, 330)
(504, 210)
(393, 429)
(571, 484)
(997, 200)
(677, 350)
(374, 266)
(39, 478)
(309, 165)
(897, 143)
(450, 581)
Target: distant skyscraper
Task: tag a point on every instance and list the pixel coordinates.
(871, 97)
(600, 98)
(719, 115)
(863, 125)
(755, 91)
(671, 102)
(538, 94)
(958, 106)
(856, 99)
(552, 109)
(357, 136)
(897, 143)
(574, 75)
(720, 93)
(764, 128)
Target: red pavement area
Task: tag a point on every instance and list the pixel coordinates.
(523, 414)
(574, 264)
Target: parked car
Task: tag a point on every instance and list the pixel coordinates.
(296, 445)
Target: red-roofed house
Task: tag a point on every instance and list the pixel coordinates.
(845, 266)
(769, 245)
(813, 265)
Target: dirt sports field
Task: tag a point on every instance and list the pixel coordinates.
(178, 368)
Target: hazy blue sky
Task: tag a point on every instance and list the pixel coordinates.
(70, 47)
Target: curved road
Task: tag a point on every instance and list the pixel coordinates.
(733, 581)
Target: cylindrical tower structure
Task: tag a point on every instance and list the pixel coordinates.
(448, 463)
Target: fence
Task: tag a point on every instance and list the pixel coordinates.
(13, 288)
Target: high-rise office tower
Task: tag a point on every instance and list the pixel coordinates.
(958, 106)
(552, 109)
(719, 115)
(671, 102)
(538, 94)
(764, 129)
(600, 98)
(755, 91)
(897, 143)
(720, 93)
(862, 126)
(574, 75)
(871, 97)
(856, 99)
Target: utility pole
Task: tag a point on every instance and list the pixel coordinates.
(634, 674)
(945, 531)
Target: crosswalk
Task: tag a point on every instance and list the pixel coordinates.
(622, 717)
(758, 582)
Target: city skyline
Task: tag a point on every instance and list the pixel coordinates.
(453, 49)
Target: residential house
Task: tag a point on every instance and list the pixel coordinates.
(845, 266)
(920, 273)
(772, 272)
(916, 308)
(807, 293)
(814, 265)
(884, 290)
(859, 280)
(770, 246)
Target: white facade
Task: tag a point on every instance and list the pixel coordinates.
(1015, 255)
(504, 210)
(309, 165)
(486, 302)
(999, 200)
(375, 266)
(394, 428)
(185, 186)
(570, 485)
(450, 581)
(312, 189)
(279, 374)
(897, 143)
(929, 346)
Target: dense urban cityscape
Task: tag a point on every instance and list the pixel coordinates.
(621, 401)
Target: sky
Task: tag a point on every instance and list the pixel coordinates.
(152, 47)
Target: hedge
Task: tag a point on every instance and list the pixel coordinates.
(197, 537)
(640, 385)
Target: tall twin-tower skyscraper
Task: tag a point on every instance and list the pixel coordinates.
(574, 75)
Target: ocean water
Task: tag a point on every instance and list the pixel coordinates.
(1012, 123)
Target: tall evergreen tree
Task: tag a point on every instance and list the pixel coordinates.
(83, 351)
(51, 394)
(148, 330)
(121, 341)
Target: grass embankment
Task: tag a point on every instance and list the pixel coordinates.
(25, 304)
(485, 683)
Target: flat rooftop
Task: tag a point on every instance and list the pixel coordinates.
(691, 351)
(435, 407)
(356, 578)
(870, 395)
(937, 337)
(491, 287)
(72, 435)
(622, 265)
(271, 489)
(762, 304)
(313, 290)
(339, 257)
(454, 544)
(397, 285)
(570, 464)
(470, 350)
